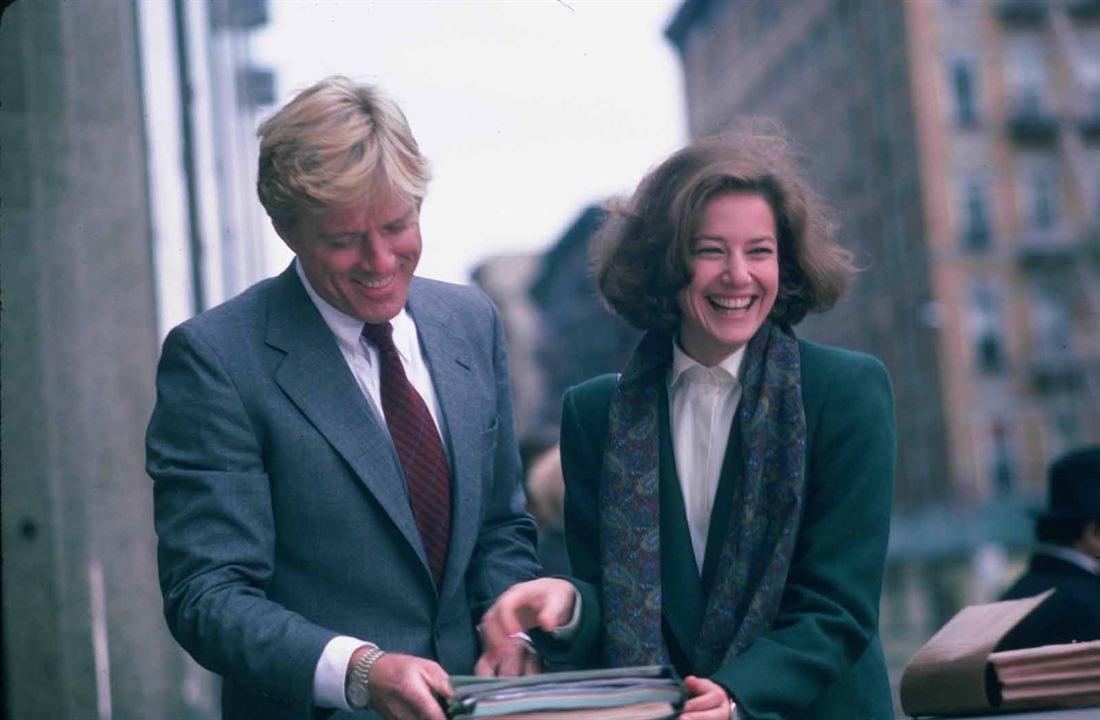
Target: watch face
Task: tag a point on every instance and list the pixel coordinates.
(358, 693)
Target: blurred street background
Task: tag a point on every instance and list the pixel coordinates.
(958, 141)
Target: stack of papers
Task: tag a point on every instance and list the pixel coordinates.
(651, 692)
(1051, 676)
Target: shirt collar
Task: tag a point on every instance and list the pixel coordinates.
(729, 368)
(348, 330)
(1070, 555)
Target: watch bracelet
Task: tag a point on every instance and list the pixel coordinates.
(360, 672)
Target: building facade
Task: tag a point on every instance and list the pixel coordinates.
(124, 127)
(959, 143)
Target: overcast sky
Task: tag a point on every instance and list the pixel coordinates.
(527, 109)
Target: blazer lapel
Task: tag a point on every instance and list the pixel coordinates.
(450, 362)
(682, 597)
(315, 376)
(721, 517)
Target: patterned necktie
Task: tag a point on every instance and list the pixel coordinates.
(420, 449)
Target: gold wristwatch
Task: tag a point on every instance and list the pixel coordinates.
(358, 685)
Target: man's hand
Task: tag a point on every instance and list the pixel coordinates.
(546, 603)
(707, 700)
(402, 687)
(518, 658)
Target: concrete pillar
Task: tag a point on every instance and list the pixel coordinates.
(82, 628)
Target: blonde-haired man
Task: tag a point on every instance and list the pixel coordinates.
(336, 477)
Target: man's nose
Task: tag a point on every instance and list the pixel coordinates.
(376, 255)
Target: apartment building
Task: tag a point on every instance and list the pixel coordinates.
(959, 142)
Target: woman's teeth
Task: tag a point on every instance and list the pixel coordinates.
(731, 303)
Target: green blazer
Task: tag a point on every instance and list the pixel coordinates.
(822, 659)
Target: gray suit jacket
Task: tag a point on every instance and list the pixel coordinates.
(280, 506)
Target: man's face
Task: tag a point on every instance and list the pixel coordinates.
(360, 259)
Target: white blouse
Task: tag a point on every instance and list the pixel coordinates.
(702, 402)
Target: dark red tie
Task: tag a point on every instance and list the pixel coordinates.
(419, 447)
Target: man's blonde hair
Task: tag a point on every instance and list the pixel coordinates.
(335, 144)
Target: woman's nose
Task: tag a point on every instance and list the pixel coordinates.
(737, 269)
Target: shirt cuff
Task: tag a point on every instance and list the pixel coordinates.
(566, 632)
(331, 674)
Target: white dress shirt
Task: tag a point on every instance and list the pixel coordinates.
(362, 359)
(702, 402)
(1070, 555)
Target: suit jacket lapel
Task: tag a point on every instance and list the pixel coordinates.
(316, 378)
(450, 362)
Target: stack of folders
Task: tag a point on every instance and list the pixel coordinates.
(636, 693)
(1051, 676)
(959, 671)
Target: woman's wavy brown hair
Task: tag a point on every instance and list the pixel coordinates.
(642, 252)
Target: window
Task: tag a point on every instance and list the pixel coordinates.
(1096, 195)
(1088, 69)
(962, 83)
(1039, 193)
(1002, 465)
(986, 329)
(1026, 73)
(1051, 322)
(1068, 432)
(1091, 158)
(1044, 201)
(975, 231)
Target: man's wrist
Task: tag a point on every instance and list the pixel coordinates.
(357, 686)
(566, 632)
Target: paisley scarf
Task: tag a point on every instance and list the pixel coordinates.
(764, 514)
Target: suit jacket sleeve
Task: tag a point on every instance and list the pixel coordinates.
(829, 611)
(216, 531)
(504, 554)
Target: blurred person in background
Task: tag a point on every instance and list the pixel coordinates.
(1066, 558)
(337, 484)
(545, 498)
(728, 496)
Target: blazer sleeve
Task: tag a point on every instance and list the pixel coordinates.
(829, 610)
(583, 436)
(216, 534)
(505, 550)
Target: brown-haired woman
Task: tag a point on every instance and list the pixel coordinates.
(728, 495)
